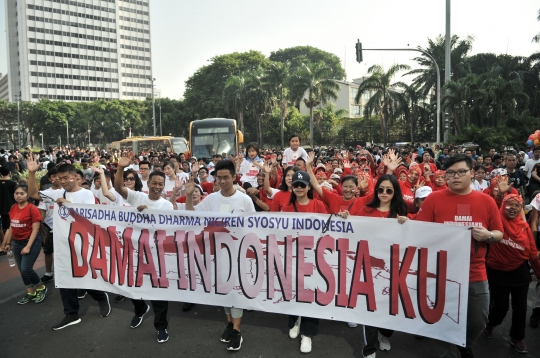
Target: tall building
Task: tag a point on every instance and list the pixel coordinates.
(80, 50)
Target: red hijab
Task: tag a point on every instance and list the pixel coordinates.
(438, 173)
(420, 171)
(512, 227)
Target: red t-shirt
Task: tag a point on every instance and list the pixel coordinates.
(408, 196)
(372, 213)
(335, 203)
(22, 220)
(181, 199)
(207, 187)
(314, 206)
(473, 209)
(280, 200)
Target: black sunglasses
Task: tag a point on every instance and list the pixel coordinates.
(299, 185)
(383, 190)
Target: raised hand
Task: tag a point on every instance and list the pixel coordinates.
(124, 162)
(189, 187)
(195, 168)
(179, 183)
(346, 164)
(32, 165)
(97, 170)
(363, 182)
(310, 159)
(502, 183)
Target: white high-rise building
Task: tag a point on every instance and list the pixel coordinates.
(80, 50)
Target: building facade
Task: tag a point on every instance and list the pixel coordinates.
(4, 89)
(80, 50)
(346, 98)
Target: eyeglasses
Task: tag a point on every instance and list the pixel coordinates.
(452, 173)
(385, 190)
(299, 185)
(129, 179)
(366, 170)
(143, 168)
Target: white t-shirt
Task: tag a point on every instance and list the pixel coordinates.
(82, 196)
(103, 200)
(238, 202)
(475, 185)
(249, 173)
(290, 156)
(169, 184)
(144, 186)
(136, 199)
(535, 203)
(48, 206)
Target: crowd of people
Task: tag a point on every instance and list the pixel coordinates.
(434, 184)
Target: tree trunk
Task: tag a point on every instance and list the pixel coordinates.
(282, 119)
(241, 120)
(311, 126)
(260, 130)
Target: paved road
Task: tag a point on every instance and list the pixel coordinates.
(25, 331)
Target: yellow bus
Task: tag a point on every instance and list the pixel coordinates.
(214, 136)
(155, 144)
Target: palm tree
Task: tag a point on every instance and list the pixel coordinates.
(410, 106)
(259, 99)
(536, 37)
(385, 97)
(505, 97)
(456, 99)
(313, 82)
(277, 78)
(330, 116)
(234, 96)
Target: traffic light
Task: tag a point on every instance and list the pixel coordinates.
(359, 57)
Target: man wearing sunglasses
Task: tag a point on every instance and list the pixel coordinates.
(460, 205)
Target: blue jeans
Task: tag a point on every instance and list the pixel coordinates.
(25, 263)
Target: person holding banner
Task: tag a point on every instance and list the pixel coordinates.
(227, 200)
(508, 272)
(141, 201)
(387, 203)
(460, 205)
(301, 201)
(71, 193)
(27, 241)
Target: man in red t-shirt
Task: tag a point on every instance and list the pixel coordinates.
(460, 205)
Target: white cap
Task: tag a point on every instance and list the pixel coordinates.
(422, 192)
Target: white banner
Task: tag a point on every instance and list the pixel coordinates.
(412, 277)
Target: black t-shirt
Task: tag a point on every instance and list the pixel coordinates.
(7, 189)
(517, 177)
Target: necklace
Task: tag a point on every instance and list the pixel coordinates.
(381, 213)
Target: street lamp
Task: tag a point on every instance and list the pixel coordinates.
(18, 99)
(153, 107)
(160, 126)
(89, 137)
(41, 134)
(67, 133)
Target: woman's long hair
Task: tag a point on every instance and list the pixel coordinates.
(138, 182)
(397, 205)
(283, 186)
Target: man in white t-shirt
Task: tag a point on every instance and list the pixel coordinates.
(71, 193)
(227, 200)
(141, 201)
(144, 170)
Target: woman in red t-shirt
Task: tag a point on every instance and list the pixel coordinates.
(24, 240)
(508, 273)
(301, 201)
(282, 197)
(387, 203)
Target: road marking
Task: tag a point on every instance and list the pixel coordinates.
(15, 295)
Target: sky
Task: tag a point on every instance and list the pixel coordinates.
(187, 34)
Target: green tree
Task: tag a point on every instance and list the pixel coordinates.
(235, 96)
(327, 120)
(384, 95)
(259, 99)
(277, 80)
(313, 82)
(311, 54)
(536, 37)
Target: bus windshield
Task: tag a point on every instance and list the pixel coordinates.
(179, 145)
(214, 140)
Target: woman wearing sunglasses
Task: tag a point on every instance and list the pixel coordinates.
(301, 201)
(132, 181)
(386, 203)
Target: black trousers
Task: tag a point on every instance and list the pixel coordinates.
(160, 312)
(371, 338)
(71, 302)
(308, 326)
(500, 300)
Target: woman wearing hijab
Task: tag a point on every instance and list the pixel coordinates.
(439, 181)
(508, 273)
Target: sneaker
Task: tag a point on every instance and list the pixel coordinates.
(104, 306)
(119, 298)
(535, 317)
(187, 306)
(68, 320)
(236, 341)
(352, 324)
(226, 336)
(81, 294)
(162, 336)
(293, 332)
(384, 343)
(40, 294)
(488, 331)
(137, 320)
(519, 346)
(46, 278)
(27, 298)
(305, 344)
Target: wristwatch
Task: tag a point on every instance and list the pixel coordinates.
(490, 239)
